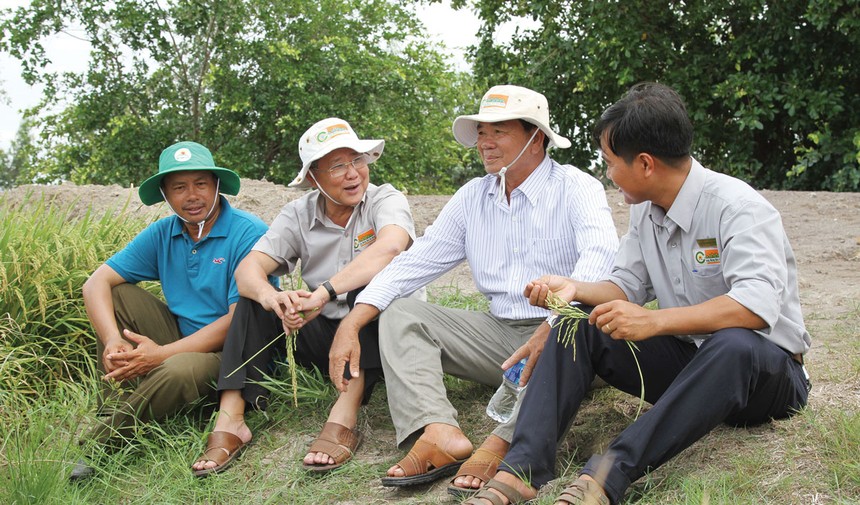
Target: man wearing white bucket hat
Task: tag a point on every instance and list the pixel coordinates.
(343, 234)
(166, 355)
(528, 215)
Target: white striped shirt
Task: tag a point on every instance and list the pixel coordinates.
(558, 222)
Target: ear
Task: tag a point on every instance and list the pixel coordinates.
(536, 146)
(311, 179)
(647, 162)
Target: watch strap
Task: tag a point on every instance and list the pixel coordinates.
(332, 294)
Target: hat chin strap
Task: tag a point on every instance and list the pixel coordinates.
(505, 168)
(202, 223)
(319, 187)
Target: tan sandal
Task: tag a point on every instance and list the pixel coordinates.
(221, 447)
(425, 463)
(512, 495)
(336, 440)
(482, 465)
(583, 492)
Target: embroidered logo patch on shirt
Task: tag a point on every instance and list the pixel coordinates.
(218, 261)
(707, 253)
(364, 239)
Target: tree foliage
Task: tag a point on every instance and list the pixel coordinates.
(771, 86)
(245, 78)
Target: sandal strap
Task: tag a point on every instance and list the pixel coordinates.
(336, 440)
(512, 495)
(223, 444)
(583, 492)
(484, 494)
(424, 456)
(483, 464)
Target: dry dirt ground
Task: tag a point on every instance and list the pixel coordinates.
(824, 229)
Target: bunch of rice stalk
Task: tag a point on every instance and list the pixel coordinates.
(572, 315)
(291, 349)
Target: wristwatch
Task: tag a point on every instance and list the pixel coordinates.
(332, 294)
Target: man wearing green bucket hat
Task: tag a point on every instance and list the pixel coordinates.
(164, 356)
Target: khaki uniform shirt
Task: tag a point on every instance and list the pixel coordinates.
(302, 232)
(720, 237)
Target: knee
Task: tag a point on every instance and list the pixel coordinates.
(733, 345)
(398, 315)
(188, 368)
(123, 290)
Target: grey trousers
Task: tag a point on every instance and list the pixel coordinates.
(179, 380)
(420, 341)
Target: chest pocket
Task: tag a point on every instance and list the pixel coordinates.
(554, 255)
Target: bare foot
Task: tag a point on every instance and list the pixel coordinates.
(345, 413)
(493, 444)
(448, 438)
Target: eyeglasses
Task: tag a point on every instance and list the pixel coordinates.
(340, 170)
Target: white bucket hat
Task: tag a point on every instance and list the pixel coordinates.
(324, 137)
(503, 103)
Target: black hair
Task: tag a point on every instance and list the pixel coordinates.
(529, 127)
(650, 118)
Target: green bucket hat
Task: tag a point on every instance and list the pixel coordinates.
(183, 157)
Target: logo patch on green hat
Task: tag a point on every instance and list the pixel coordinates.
(183, 154)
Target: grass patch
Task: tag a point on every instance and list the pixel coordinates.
(47, 390)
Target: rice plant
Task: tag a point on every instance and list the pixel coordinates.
(45, 335)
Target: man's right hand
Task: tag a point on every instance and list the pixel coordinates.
(537, 290)
(112, 346)
(344, 349)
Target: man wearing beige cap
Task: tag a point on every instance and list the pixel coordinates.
(343, 233)
(529, 215)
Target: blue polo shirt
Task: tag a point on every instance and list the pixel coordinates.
(196, 278)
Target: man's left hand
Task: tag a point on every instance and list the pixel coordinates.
(531, 350)
(138, 362)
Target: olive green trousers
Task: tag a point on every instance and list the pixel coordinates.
(177, 382)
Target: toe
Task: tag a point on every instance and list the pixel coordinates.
(396, 471)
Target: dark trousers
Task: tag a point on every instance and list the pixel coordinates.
(253, 327)
(736, 377)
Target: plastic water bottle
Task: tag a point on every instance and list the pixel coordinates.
(501, 406)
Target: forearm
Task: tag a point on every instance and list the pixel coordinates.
(252, 276)
(359, 317)
(361, 270)
(210, 338)
(595, 293)
(98, 301)
(705, 318)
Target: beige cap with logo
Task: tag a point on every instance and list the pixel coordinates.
(324, 137)
(503, 103)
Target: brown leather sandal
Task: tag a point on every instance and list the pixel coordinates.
(482, 465)
(221, 447)
(336, 440)
(512, 495)
(425, 463)
(583, 492)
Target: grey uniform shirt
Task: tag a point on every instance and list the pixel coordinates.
(720, 237)
(302, 231)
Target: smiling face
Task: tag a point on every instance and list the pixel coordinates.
(191, 193)
(627, 176)
(500, 143)
(343, 175)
